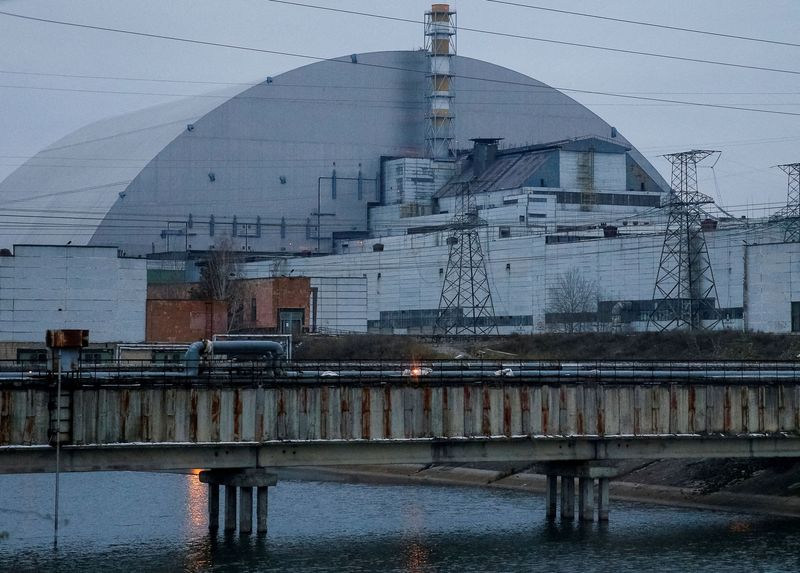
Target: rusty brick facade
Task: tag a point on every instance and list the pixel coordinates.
(173, 315)
(263, 300)
(185, 320)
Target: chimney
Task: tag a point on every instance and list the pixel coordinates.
(440, 44)
(484, 152)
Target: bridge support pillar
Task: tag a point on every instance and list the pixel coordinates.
(567, 497)
(230, 508)
(213, 507)
(551, 495)
(586, 499)
(602, 499)
(241, 482)
(586, 473)
(261, 509)
(245, 510)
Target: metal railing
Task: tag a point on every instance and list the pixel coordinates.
(139, 372)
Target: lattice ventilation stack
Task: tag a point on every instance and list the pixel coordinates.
(440, 45)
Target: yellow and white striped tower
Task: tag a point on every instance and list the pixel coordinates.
(440, 45)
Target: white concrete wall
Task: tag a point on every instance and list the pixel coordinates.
(341, 304)
(523, 270)
(49, 287)
(608, 173)
(773, 282)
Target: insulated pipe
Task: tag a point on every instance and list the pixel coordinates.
(244, 347)
(236, 348)
(192, 357)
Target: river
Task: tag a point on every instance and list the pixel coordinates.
(157, 522)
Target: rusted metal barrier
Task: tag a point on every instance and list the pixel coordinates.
(221, 407)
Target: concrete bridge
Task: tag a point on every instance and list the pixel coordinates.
(575, 417)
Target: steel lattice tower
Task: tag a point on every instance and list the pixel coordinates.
(791, 213)
(685, 293)
(465, 306)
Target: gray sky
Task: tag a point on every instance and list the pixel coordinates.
(38, 109)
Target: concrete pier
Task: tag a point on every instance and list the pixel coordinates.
(230, 508)
(567, 497)
(586, 499)
(238, 482)
(261, 509)
(245, 510)
(602, 499)
(213, 507)
(551, 496)
(587, 473)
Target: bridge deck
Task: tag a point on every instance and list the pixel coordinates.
(215, 421)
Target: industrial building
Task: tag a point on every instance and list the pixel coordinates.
(362, 173)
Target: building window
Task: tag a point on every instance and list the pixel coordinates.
(30, 356)
(291, 320)
(504, 232)
(796, 317)
(253, 310)
(96, 355)
(522, 218)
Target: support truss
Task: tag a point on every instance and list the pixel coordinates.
(790, 215)
(685, 295)
(465, 305)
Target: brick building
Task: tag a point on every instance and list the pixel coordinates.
(271, 305)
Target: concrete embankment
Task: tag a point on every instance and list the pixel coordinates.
(694, 497)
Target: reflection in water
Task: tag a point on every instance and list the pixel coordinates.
(156, 522)
(200, 557)
(196, 502)
(417, 557)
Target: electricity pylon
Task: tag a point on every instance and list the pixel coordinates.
(465, 305)
(685, 294)
(790, 214)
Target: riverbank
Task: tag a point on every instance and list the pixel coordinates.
(679, 345)
(620, 490)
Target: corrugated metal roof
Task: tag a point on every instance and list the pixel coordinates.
(506, 172)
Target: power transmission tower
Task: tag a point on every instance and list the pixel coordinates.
(685, 294)
(465, 306)
(791, 213)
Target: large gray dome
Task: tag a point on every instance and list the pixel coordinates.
(260, 164)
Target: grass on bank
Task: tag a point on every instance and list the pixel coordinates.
(724, 345)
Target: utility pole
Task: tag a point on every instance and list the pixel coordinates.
(685, 294)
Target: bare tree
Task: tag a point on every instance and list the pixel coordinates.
(220, 279)
(572, 301)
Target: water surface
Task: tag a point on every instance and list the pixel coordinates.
(157, 522)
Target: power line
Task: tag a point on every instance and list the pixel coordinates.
(545, 40)
(399, 104)
(393, 89)
(648, 24)
(380, 16)
(395, 104)
(382, 66)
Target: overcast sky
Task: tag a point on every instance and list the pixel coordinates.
(130, 72)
